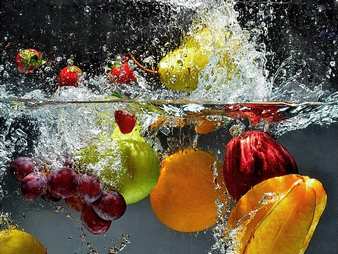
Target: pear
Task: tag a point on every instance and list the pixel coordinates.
(126, 162)
(179, 69)
(13, 241)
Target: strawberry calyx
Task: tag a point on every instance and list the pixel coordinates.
(74, 68)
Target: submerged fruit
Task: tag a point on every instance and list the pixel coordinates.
(93, 222)
(278, 215)
(253, 157)
(29, 60)
(141, 165)
(63, 182)
(179, 69)
(111, 206)
(125, 121)
(205, 126)
(184, 197)
(89, 188)
(13, 241)
(69, 76)
(127, 163)
(33, 186)
(22, 166)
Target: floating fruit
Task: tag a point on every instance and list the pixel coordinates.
(13, 241)
(121, 72)
(22, 166)
(253, 157)
(125, 121)
(179, 69)
(29, 60)
(278, 215)
(184, 197)
(63, 182)
(33, 185)
(127, 163)
(111, 206)
(69, 76)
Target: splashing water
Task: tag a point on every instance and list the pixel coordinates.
(51, 125)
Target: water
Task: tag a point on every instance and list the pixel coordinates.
(50, 123)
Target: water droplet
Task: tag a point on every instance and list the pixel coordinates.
(87, 10)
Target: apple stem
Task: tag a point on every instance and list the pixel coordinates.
(141, 66)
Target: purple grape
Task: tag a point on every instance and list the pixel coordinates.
(89, 188)
(33, 186)
(110, 206)
(63, 182)
(22, 166)
(94, 223)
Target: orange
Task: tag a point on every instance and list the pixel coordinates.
(205, 126)
(184, 197)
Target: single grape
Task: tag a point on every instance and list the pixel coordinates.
(110, 206)
(75, 202)
(63, 182)
(94, 223)
(33, 185)
(22, 166)
(89, 188)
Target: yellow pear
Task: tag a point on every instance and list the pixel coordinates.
(13, 241)
(278, 215)
(179, 69)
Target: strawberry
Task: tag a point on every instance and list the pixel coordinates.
(121, 72)
(69, 76)
(125, 120)
(29, 60)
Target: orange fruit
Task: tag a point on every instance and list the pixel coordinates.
(185, 194)
(205, 126)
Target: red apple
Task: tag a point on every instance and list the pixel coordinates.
(252, 157)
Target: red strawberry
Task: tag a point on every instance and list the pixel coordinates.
(125, 120)
(121, 72)
(69, 76)
(29, 60)
(252, 157)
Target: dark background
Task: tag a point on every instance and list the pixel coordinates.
(306, 30)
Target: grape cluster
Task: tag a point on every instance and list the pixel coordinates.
(82, 192)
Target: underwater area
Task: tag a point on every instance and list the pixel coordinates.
(168, 126)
